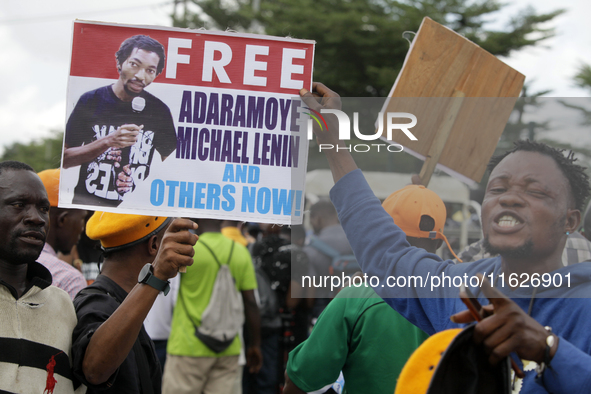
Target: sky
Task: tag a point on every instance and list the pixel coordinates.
(36, 35)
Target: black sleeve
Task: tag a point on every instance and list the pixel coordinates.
(165, 133)
(76, 133)
(92, 310)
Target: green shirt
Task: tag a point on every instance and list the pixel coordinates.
(361, 335)
(195, 291)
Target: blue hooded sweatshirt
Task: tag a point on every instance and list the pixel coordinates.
(562, 301)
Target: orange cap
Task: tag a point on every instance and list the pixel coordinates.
(51, 181)
(116, 230)
(409, 204)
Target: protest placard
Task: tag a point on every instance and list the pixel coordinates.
(461, 96)
(180, 122)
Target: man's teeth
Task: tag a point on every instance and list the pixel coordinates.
(508, 221)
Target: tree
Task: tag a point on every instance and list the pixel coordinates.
(583, 77)
(40, 154)
(359, 43)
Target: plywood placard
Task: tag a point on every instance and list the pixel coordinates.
(445, 76)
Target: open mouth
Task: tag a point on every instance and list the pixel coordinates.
(508, 221)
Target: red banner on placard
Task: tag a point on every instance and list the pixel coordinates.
(201, 58)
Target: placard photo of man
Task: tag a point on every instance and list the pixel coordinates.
(114, 130)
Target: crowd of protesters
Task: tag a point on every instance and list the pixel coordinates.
(126, 321)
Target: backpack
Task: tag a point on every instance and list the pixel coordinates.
(341, 263)
(223, 317)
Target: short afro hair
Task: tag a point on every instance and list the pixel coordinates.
(575, 174)
(15, 166)
(141, 42)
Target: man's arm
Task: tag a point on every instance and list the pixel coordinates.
(507, 328)
(290, 387)
(340, 161)
(327, 346)
(113, 340)
(254, 357)
(124, 136)
(380, 246)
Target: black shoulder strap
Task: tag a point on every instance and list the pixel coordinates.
(140, 356)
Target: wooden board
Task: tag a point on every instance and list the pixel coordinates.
(439, 65)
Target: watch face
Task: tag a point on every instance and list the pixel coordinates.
(144, 273)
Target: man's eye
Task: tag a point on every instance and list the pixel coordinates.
(44, 209)
(150, 71)
(18, 205)
(537, 193)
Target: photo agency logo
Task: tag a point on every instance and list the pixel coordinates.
(392, 123)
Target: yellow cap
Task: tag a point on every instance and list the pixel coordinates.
(116, 230)
(416, 375)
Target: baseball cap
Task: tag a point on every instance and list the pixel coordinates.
(409, 204)
(51, 181)
(449, 362)
(117, 231)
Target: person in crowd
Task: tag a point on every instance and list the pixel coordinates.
(111, 351)
(352, 321)
(65, 227)
(272, 256)
(298, 305)
(326, 226)
(230, 228)
(533, 201)
(159, 319)
(192, 366)
(90, 254)
(37, 318)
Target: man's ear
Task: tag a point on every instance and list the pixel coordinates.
(573, 220)
(153, 245)
(61, 218)
(118, 67)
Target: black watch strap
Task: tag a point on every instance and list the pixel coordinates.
(147, 277)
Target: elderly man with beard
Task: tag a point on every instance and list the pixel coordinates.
(538, 308)
(37, 318)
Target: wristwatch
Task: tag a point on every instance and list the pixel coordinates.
(147, 277)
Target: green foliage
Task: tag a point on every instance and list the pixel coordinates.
(583, 77)
(41, 154)
(359, 43)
